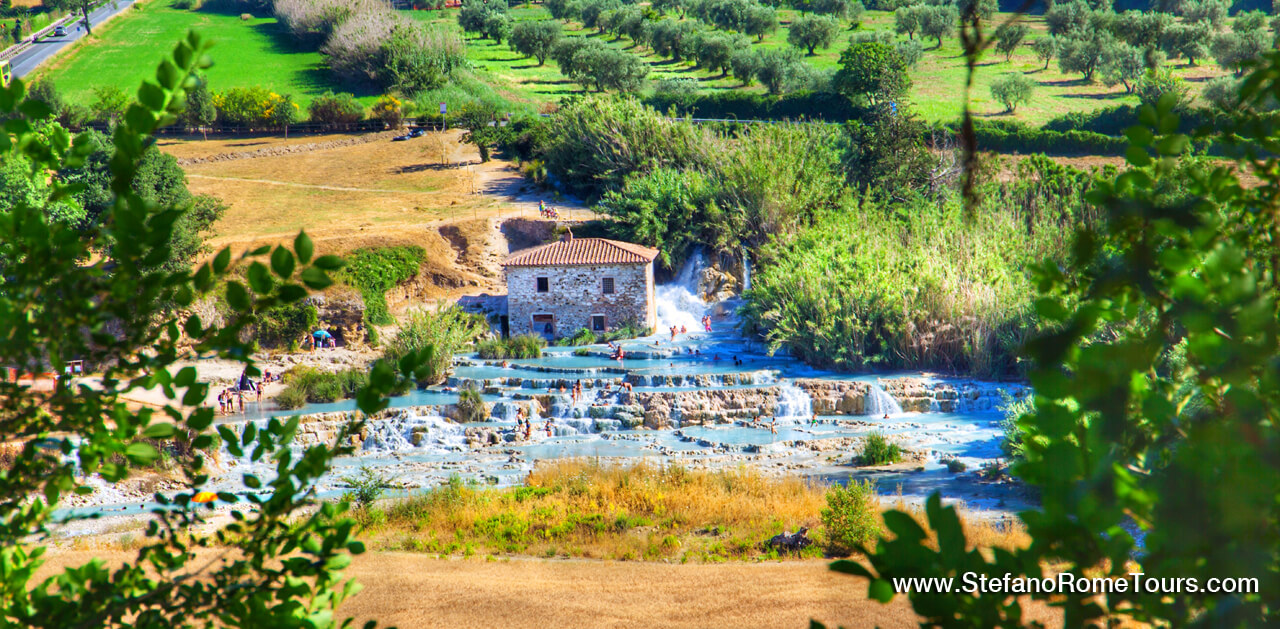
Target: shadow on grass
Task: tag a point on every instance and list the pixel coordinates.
(421, 168)
(1103, 96)
(316, 78)
(1067, 83)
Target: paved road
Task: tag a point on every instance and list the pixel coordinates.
(26, 62)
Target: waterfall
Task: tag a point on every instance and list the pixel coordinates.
(414, 431)
(793, 403)
(680, 302)
(880, 403)
(746, 272)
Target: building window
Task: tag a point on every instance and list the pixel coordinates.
(597, 323)
(544, 284)
(606, 286)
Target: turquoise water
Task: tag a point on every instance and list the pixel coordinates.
(424, 450)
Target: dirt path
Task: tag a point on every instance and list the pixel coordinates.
(413, 590)
(312, 186)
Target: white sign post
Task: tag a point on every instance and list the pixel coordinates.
(444, 109)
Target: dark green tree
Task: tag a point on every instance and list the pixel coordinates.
(200, 112)
(872, 73)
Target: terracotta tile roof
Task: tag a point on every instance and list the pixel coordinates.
(581, 251)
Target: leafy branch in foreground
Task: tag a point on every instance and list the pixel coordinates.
(1157, 399)
(99, 294)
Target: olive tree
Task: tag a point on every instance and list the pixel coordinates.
(1012, 89)
(1046, 48)
(938, 22)
(811, 32)
(1009, 36)
(535, 38)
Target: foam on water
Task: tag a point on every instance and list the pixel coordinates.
(397, 434)
(680, 303)
(880, 403)
(793, 403)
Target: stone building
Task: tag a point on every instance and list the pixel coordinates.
(559, 288)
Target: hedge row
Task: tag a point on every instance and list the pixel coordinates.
(756, 106)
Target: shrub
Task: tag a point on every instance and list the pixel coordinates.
(521, 346)
(367, 487)
(388, 110)
(1155, 84)
(315, 386)
(955, 466)
(1008, 136)
(470, 405)
(1011, 444)
(375, 271)
(336, 110)
(583, 336)
(879, 451)
(852, 515)
(1012, 89)
(445, 332)
(248, 106)
(596, 142)
(291, 398)
(108, 104)
(744, 105)
(676, 88)
(279, 326)
(385, 49)
(315, 20)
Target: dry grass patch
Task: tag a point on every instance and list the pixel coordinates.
(575, 508)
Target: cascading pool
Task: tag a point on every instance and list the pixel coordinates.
(704, 391)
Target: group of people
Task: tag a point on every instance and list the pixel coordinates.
(320, 339)
(678, 330)
(524, 425)
(232, 397)
(547, 212)
(706, 322)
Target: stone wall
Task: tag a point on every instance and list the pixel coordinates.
(575, 294)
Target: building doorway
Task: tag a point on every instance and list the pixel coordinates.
(545, 325)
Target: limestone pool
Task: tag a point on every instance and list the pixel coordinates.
(702, 399)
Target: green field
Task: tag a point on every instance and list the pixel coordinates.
(258, 52)
(126, 50)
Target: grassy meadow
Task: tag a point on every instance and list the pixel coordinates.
(126, 50)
